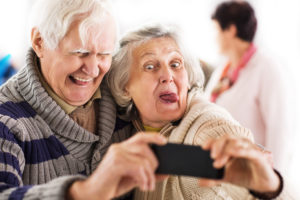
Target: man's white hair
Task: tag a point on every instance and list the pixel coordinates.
(53, 18)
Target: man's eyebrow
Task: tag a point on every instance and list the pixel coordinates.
(85, 51)
(79, 51)
(105, 53)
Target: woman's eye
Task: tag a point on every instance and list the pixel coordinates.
(149, 67)
(175, 64)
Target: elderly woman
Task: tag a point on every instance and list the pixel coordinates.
(157, 84)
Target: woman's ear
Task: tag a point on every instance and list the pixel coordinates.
(37, 42)
(232, 30)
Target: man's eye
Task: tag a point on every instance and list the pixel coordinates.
(175, 65)
(149, 67)
(82, 54)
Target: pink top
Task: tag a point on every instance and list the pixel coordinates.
(260, 100)
(228, 78)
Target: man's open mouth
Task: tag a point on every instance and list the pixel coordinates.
(80, 81)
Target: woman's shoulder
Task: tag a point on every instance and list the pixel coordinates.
(198, 104)
(264, 61)
(208, 120)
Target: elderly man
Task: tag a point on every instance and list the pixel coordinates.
(56, 118)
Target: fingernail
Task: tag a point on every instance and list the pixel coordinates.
(216, 164)
(163, 139)
(213, 154)
(152, 186)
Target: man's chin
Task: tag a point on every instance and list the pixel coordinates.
(78, 101)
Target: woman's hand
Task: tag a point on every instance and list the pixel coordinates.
(126, 165)
(245, 164)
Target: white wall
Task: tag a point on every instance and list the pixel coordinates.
(13, 36)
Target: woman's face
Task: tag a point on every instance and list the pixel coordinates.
(158, 82)
(222, 37)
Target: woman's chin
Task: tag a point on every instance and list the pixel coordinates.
(171, 114)
(167, 107)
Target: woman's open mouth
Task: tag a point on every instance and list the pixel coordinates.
(169, 97)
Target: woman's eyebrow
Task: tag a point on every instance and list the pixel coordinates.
(147, 54)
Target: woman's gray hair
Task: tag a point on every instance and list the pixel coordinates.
(118, 76)
(53, 18)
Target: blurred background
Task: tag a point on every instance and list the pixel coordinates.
(278, 33)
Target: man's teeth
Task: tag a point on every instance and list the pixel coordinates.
(82, 80)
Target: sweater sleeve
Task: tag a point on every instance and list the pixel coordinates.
(217, 123)
(12, 163)
(55, 189)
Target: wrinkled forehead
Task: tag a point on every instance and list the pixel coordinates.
(155, 47)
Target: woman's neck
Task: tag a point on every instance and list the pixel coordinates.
(156, 125)
(237, 51)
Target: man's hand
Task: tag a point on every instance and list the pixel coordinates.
(126, 165)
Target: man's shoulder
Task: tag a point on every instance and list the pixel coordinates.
(121, 124)
(123, 130)
(16, 110)
(12, 104)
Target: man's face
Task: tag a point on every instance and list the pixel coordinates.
(74, 71)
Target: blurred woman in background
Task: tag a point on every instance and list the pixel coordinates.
(251, 86)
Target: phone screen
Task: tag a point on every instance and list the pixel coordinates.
(187, 160)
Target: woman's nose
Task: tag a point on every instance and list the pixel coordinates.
(166, 75)
(91, 66)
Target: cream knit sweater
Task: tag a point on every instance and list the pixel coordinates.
(202, 121)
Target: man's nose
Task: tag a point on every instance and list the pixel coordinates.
(91, 66)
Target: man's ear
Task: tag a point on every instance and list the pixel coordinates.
(37, 42)
(126, 91)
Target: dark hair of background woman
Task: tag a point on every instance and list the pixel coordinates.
(240, 14)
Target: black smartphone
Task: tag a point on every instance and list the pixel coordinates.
(186, 160)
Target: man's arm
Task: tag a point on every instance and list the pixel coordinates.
(12, 164)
